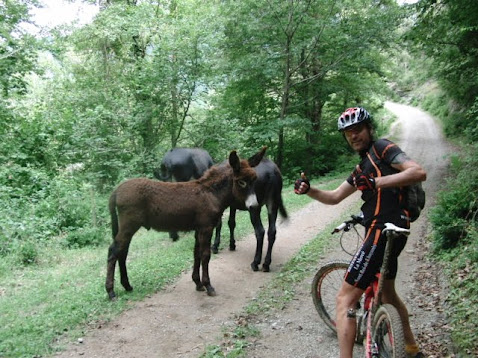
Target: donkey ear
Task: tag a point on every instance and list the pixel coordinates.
(235, 162)
(256, 158)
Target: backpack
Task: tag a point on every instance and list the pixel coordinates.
(415, 200)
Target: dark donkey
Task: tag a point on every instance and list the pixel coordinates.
(268, 188)
(183, 164)
(195, 205)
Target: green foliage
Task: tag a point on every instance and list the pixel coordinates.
(28, 253)
(455, 216)
(292, 82)
(455, 241)
(114, 95)
(446, 31)
(461, 267)
(34, 215)
(85, 236)
(17, 49)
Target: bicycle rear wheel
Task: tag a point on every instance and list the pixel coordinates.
(387, 333)
(327, 282)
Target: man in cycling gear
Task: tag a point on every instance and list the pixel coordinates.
(383, 172)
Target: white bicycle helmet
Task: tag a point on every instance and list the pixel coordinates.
(351, 117)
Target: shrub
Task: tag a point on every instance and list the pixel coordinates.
(32, 216)
(86, 236)
(28, 253)
(455, 216)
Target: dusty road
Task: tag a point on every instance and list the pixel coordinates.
(180, 322)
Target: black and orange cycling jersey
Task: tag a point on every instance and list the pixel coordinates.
(380, 206)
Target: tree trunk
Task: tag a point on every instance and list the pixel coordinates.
(284, 103)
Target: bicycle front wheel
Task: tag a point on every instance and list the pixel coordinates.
(387, 333)
(325, 286)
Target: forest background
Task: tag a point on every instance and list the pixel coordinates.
(84, 107)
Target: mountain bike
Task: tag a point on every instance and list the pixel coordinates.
(379, 325)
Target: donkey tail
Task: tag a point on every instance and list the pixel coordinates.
(114, 215)
(282, 210)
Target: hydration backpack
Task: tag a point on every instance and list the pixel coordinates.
(414, 195)
(415, 200)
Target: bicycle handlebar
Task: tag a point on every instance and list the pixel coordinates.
(348, 224)
(339, 228)
(389, 227)
(358, 219)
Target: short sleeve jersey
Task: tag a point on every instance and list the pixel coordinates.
(384, 204)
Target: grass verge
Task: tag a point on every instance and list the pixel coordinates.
(455, 244)
(462, 299)
(40, 305)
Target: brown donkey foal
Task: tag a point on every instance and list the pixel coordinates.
(182, 206)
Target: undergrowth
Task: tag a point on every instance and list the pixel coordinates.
(455, 243)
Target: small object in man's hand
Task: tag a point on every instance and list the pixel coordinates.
(298, 183)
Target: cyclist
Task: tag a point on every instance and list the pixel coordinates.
(383, 171)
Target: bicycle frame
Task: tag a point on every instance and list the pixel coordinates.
(373, 294)
(373, 300)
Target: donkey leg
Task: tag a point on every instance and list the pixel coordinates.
(110, 271)
(118, 251)
(232, 225)
(122, 255)
(173, 235)
(271, 238)
(197, 264)
(255, 215)
(204, 239)
(217, 239)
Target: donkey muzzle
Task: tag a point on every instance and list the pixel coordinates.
(251, 201)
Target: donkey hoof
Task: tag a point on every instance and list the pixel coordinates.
(112, 296)
(232, 248)
(265, 268)
(214, 250)
(200, 288)
(211, 292)
(254, 267)
(128, 287)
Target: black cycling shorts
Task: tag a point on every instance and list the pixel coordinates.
(368, 259)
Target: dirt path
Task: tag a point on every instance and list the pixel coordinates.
(180, 322)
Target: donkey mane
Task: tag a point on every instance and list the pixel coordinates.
(217, 177)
